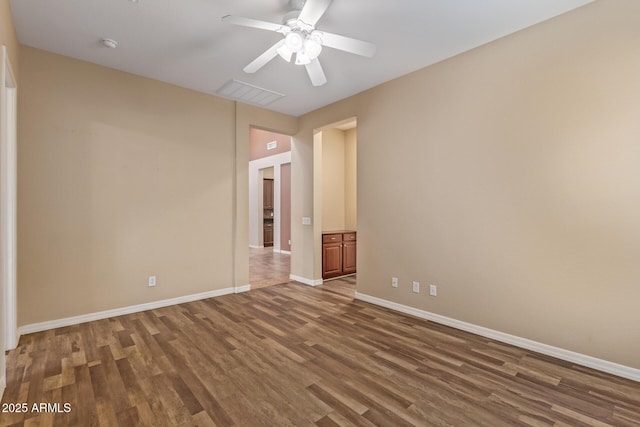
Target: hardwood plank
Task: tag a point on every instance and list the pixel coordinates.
(294, 355)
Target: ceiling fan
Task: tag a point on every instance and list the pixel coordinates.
(301, 37)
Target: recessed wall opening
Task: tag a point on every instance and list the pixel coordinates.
(269, 208)
(335, 198)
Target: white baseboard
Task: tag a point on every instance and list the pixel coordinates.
(280, 251)
(74, 320)
(305, 281)
(256, 247)
(243, 288)
(560, 353)
(339, 277)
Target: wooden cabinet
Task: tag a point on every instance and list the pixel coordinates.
(268, 235)
(338, 254)
(349, 257)
(267, 193)
(267, 212)
(331, 260)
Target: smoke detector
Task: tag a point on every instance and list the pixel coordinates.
(111, 44)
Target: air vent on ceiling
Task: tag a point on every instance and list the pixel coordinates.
(244, 92)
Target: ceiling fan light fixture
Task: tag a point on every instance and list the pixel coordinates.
(299, 36)
(312, 47)
(284, 52)
(294, 41)
(302, 58)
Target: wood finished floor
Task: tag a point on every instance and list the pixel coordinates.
(295, 355)
(268, 268)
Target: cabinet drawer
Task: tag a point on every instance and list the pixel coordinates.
(331, 238)
(349, 237)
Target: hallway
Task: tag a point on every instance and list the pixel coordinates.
(268, 268)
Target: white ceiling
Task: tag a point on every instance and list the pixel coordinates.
(184, 42)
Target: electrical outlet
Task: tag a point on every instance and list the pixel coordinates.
(416, 287)
(152, 280)
(433, 290)
(394, 282)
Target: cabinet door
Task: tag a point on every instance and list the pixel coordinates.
(331, 260)
(349, 257)
(267, 193)
(268, 236)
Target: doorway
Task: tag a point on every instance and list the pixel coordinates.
(269, 208)
(8, 167)
(335, 200)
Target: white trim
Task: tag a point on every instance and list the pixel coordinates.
(278, 251)
(8, 191)
(243, 288)
(74, 320)
(560, 353)
(305, 281)
(255, 189)
(256, 247)
(3, 385)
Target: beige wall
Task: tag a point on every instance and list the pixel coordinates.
(8, 36)
(508, 177)
(336, 163)
(268, 173)
(119, 178)
(332, 175)
(122, 177)
(350, 180)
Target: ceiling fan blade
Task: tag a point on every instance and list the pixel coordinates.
(313, 10)
(252, 23)
(316, 74)
(263, 59)
(348, 44)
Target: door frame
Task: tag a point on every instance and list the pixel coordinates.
(8, 201)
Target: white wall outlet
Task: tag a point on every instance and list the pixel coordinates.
(433, 290)
(152, 280)
(306, 220)
(394, 282)
(416, 287)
